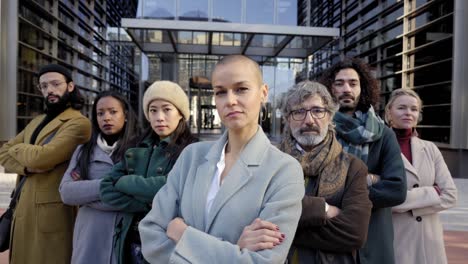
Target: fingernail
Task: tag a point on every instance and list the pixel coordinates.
(283, 236)
(277, 227)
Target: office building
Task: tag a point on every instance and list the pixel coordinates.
(83, 35)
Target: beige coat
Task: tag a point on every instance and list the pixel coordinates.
(42, 225)
(418, 231)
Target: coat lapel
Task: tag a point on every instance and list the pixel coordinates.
(417, 154)
(54, 125)
(203, 178)
(409, 167)
(240, 173)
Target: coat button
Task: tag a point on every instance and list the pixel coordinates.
(131, 171)
(159, 170)
(416, 185)
(419, 219)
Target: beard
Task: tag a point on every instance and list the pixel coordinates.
(309, 140)
(348, 106)
(60, 105)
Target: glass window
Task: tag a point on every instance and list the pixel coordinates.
(393, 16)
(227, 11)
(433, 53)
(164, 9)
(438, 115)
(437, 134)
(392, 33)
(260, 12)
(193, 10)
(286, 12)
(440, 72)
(436, 94)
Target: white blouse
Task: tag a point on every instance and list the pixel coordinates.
(215, 183)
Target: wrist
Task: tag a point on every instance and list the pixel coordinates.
(369, 180)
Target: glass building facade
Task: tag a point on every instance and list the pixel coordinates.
(279, 73)
(83, 35)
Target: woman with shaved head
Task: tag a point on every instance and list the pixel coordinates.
(216, 189)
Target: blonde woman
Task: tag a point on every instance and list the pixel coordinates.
(417, 228)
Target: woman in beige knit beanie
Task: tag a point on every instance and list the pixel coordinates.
(133, 183)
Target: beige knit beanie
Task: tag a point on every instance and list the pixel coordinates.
(168, 91)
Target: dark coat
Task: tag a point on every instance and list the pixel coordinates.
(133, 183)
(384, 160)
(336, 240)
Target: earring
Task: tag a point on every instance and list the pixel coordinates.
(263, 112)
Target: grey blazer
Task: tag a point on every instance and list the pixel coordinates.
(264, 183)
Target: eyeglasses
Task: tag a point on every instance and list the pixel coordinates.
(315, 112)
(53, 84)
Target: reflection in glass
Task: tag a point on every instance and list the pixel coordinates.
(286, 12)
(267, 41)
(185, 37)
(227, 11)
(164, 9)
(260, 12)
(193, 10)
(200, 38)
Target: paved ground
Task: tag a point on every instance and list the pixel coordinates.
(455, 220)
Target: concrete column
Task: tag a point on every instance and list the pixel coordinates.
(8, 67)
(459, 131)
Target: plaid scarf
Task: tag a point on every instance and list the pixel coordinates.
(355, 134)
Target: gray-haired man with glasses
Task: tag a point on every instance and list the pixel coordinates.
(336, 207)
(42, 225)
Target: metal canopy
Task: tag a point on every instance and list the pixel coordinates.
(218, 38)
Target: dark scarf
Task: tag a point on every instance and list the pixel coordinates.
(326, 164)
(50, 115)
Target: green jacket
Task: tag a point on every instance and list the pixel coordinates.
(133, 183)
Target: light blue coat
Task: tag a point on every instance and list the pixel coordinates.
(94, 226)
(264, 183)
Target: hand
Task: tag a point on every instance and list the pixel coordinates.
(437, 188)
(260, 235)
(372, 179)
(31, 170)
(176, 229)
(75, 176)
(333, 211)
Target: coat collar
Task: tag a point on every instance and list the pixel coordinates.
(253, 152)
(417, 149)
(239, 175)
(100, 155)
(63, 117)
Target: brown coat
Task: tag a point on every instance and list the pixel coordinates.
(335, 240)
(418, 231)
(42, 225)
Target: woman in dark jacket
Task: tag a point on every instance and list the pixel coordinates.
(114, 130)
(133, 182)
